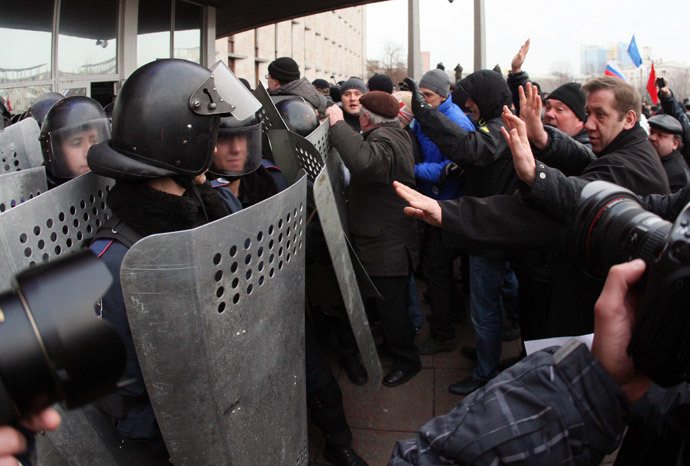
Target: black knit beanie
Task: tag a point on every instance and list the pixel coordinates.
(380, 82)
(284, 69)
(572, 96)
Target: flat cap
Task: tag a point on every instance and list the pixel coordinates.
(380, 103)
(666, 123)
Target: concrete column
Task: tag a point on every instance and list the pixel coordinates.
(414, 65)
(479, 36)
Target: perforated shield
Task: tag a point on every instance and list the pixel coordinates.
(269, 116)
(53, 224)
(17, 187)
(19, 146)
(217, 316)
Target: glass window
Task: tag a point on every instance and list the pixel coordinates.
(153, 35)
(20, 99)
(25, 32)
(188, 19)
(87, 41)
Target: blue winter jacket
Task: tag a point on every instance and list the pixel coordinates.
(429, 171)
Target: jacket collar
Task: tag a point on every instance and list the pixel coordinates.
(625, 138)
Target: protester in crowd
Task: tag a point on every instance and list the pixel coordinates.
(439, 178)
(384, 239)
(665, 133)
(485, 157)
(284, 79)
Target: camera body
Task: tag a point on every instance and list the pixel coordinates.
(609, 226)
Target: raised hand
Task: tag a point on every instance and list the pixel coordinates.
(516, 137)
(418, 100)
(530, 113)
(519, 58)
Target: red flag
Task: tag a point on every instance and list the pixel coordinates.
(9, 106)
(651, 86)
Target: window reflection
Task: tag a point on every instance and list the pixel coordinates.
(87, 41)
(188, 22)
(25, 32)
(153, 35)
(21, 98)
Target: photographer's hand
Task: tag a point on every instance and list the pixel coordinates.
(614, 319)
(12, 442)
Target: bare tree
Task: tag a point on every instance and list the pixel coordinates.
(561, 72)
(391, 63)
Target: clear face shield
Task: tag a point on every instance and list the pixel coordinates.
(223, 93)
(70, 144)
(238, 151)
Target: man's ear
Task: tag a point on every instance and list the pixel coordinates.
(630, 119)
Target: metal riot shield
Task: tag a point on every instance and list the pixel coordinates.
(294, 151)
(269, 116)
(55, 223)
(217, 317)
(19, 146)
(345, 272)
(17, 187)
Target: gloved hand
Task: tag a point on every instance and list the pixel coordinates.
(418, 100)
(450, 171)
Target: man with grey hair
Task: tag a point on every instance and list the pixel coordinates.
(383, 237)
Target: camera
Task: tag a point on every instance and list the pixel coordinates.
(53, 346)
(609, 226)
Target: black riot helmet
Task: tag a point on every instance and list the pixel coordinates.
(299, 116)
(238, 149)
(44, 102)
(165, 120)
(69, 129)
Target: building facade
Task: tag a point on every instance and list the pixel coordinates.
(330, 46)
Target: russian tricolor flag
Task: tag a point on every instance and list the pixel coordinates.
(612, 70)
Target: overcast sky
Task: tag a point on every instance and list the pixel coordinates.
(556, 29)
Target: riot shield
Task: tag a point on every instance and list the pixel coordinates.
(19, 146)
(293, 151)
(17, 187)
(269, 116)
(217, 317)
(52, 224)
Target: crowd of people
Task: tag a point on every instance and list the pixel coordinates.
(462, 185)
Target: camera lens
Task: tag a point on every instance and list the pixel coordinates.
(609, 226)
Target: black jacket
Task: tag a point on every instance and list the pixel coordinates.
(384, 238)
(484, 153)
(559, 301)
(677, 170)
(674, 108)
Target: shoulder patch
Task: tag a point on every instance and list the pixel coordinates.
(485, 129)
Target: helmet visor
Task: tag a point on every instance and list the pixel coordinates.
(222, 93)
(238, 151)
(70, 144)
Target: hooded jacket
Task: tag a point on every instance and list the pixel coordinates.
(303, 88)
(429, 171)
(484, 154)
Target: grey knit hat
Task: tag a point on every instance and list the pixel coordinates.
(353, 83)
(436, 80)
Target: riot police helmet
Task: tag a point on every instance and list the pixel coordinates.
(69, 129)
(238, 149)
(299, 116)
(43, 103)
(165, 120)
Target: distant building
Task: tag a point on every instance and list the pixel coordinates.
(592, 59)
(330, 46)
